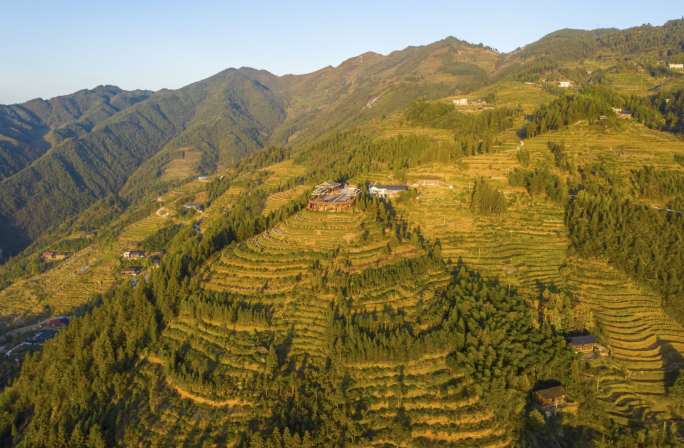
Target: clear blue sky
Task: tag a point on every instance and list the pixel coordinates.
(54, 47)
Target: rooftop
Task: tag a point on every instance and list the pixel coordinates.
(550, 393)
(582, 340)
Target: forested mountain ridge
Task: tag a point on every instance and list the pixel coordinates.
(211, 304)
(28, 130)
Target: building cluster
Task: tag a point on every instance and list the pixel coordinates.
(332, 196)
(462, 102)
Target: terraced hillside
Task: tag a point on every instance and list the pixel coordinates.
(277, 267)
(440, 404)
(524, 246)
(626, 148)
(645, 341)
(286, 279)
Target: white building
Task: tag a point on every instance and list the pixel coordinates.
(460, 102)
(676, 66)
(564, 84)
(384, 191)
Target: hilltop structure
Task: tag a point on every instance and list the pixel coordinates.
(332, 196)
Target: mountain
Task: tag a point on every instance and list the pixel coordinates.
(72, 150)
(180, 283)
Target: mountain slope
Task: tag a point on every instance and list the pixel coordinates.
(28, 130)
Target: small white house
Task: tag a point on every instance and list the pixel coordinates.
(384, 191)
(460, 102)
(676, 66)
(564, 84)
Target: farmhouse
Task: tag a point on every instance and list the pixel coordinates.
(50, 255)
(133, 254)
(551, 397)
(194, 206)
(385, 191)
(56, 322)
(564, 84)
(332, 196)
(132, 271)
(460, 102)
(622, 113)
(676, 66)
(587, 345)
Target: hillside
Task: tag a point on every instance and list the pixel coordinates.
(217, 296)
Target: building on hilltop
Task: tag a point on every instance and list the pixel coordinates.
(386, 191)
(460, 102)
(332, 197)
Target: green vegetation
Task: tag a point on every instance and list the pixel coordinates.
(424, 319)
(487, 200)
(646, 242)
(539, 181)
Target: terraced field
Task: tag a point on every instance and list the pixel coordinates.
(276, 268)
(525, 246)
(184, 164)
(642, 338)
(282, 172)
(438, 402)
(281, 198)
(630, 147)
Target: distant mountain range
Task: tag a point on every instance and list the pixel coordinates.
(59, 156)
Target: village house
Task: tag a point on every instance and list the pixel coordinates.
(460, 102)
(622, 113)
(588, 346)
(56, 322)
(550, 397)
(676, 66)
(194, 206)
(133, 254)
(332, 196)
(386, 191)
(564, 84)
(132, 271)
(50, 255)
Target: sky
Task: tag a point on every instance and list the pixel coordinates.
(56, 47)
